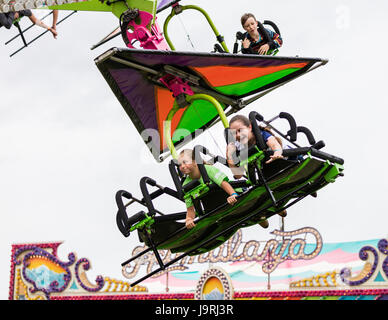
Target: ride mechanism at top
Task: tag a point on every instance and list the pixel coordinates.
(171, 97)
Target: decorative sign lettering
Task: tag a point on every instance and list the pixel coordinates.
(274, 252)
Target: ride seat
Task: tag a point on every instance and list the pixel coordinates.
(213, 199)
(216, 196)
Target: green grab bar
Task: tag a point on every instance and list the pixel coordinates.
(190, 100)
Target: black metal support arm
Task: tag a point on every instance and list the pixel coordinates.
(146, 195)
(254, 117)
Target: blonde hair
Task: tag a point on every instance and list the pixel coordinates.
(191, 154)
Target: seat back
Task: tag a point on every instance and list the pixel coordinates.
(214, 198)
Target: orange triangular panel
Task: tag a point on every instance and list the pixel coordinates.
(218, 76)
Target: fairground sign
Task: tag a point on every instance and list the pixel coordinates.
(290, 246)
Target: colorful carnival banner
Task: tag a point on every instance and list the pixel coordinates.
(277, 268)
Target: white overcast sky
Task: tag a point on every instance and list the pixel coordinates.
(67, 146)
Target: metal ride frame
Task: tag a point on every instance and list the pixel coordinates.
(185, 95)
(124, 222)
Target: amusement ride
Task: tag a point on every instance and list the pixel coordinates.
(171, 97)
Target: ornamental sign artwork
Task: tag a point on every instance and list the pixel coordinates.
(214, 284)
(274, 252)
(37, 273)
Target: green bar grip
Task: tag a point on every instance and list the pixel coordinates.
(209, 20)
